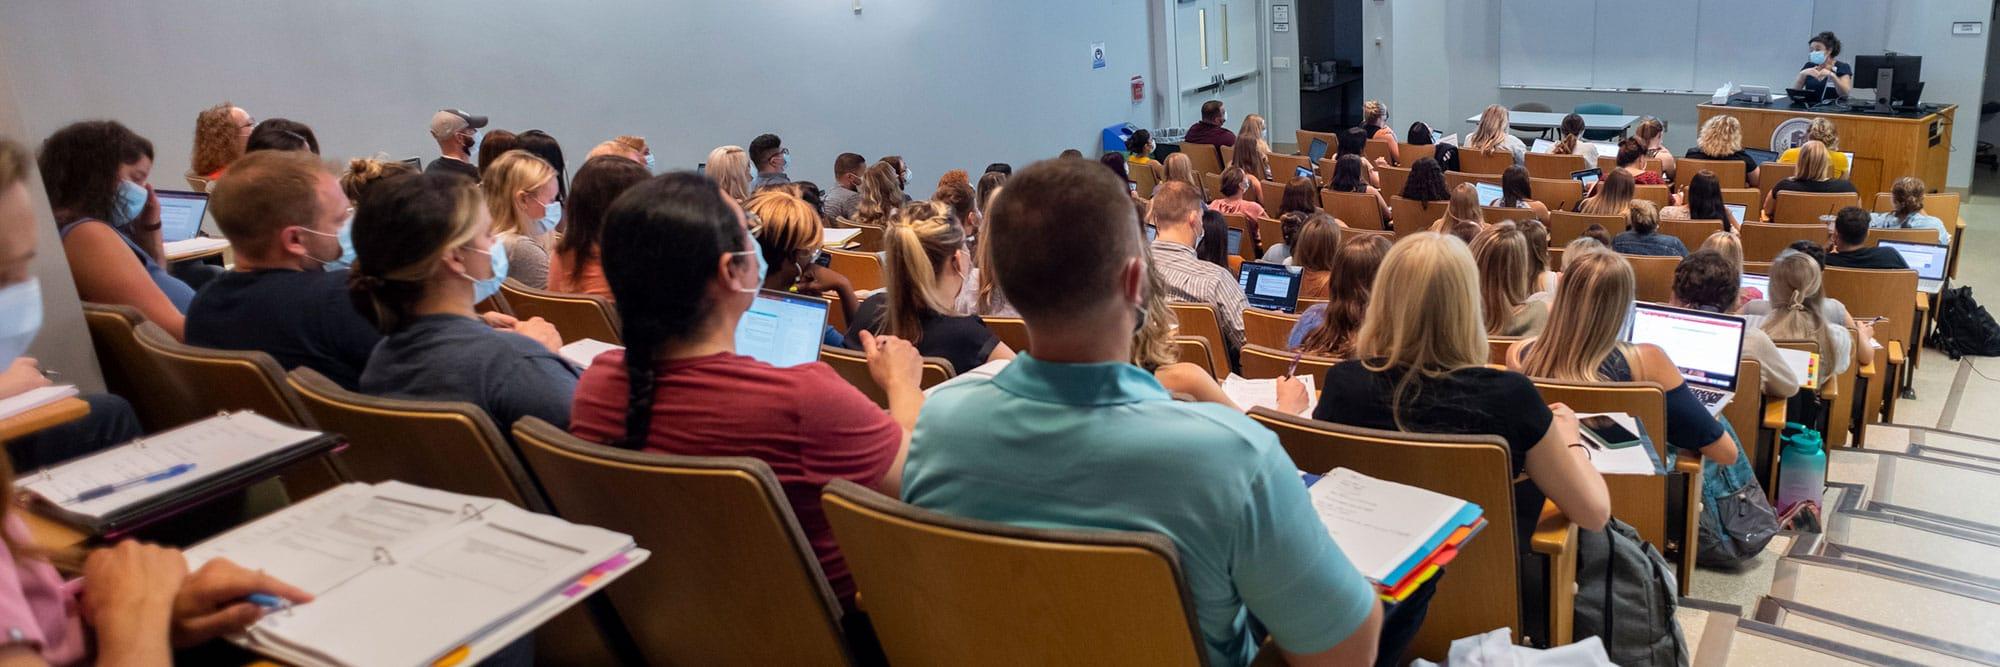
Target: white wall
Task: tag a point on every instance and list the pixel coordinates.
(945, 84)
(1438, 63)
(64, 343)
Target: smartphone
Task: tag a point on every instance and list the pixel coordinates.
(1606, 433)
(823, 259)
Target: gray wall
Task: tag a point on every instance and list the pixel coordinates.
(1443, 64)
(945, 84)
(64, 344)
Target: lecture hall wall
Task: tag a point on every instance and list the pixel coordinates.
(945, 84)
(1452, 41)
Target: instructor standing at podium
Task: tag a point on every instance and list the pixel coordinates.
(1823, 76)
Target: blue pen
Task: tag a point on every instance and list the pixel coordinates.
(266, 600)
(108, 489)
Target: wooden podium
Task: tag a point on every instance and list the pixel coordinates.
(1885, 147)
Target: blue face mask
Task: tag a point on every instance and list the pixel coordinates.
(485, 288)
(16, 333)
(551, 218)
(652, 166)
(346, 258)
(131, 202)
(763, 268)
(1816, 57)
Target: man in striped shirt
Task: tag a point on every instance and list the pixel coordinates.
(1176, 213)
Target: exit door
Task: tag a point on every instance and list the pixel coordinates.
(1218, 51)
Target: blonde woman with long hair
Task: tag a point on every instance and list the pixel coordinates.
(1581, 344)
(1721, 138)
(1730, 248)
(1254, 127)
(926, 266)
(881, 195)
(1180, 168)
(521, 193)
(1506, 278)
(1796, 308)
(1815, 175)
(1492, 135)
(1419, 366)
(730, 167)
(1613, 197)
(1463, 210)
(220, 134)
(1375, 125)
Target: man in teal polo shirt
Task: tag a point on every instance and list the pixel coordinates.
(1074, 436)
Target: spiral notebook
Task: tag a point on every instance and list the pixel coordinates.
(424, 575)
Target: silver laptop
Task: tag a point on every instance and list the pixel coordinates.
(1758, 285)
(782, 329)
(1708, 347)
(1928, 259)
(1489, 193)
(181, 213)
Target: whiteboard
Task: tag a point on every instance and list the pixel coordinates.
(1652, 46)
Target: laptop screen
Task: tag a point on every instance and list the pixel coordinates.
(1757, 285)
(1927, 259)
(782, 329)
(1760, 155)
(1235, 242)
(1706, 346)
(1488, 193)
(1152, 233)
(1317, 150)
(1542, 146)
(1738, 210)
(1586, 176)
(180, 214)
(1269, 286)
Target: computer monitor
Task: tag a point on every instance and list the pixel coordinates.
(1488, 192)
(1898, 80)
(1927, 259)
(181, 213)
(782, 329)
(1706, 346)
(1317, 150)
(1270, 286)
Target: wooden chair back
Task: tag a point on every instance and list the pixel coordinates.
(130, 370)
(1272, 195)
(225, 380)
(942, 589)
(1762, 241)
(1769, 173)
(1203, 321)
(1271, 230)
(1205, 159)
(1497, 346)
(447, 445)
(1728, 173)
(1565, 226)
(862, 268)
(1378, 149)
(1653, 193)
(1195, 350)
(1751, 199)
(1411, 217)
(730, 564)
(1639, 500)
(1559, 194)
(1306, 137)
(1269, 328)
(1284, 167)
(1265, 361)
(1692, 233)
(575, 316)
(1011, 330)
(1654, 277)
(1495, 214)
(1551, 166)
(1246, 247)
(1483, 591)
(1941, 205)
(1412, 153)
(1490, 162)
(1228, 157)
(1211, 186)
(1869, 293)
(1358, 209)
(869, 239)
(1610, 162)
(1144, 178)
(1803, 208)
(1904, 235)
(1392, 179)
(1747, 408)
(852, 365)
(1453, 179)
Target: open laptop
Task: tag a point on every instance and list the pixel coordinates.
(1488, 193)
(1757, 284)
(1543, 146)
(181, 213)
(1928, 259)
(1708, 347)
(1235, 242)
(1761, 156)
(1316, 150)
(1270, 286)
(782, 329)
(1587, 176)
(1739, 211)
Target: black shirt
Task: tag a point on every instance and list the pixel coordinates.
(1749, 163)
(1476, 400)
(300, 318)
(1873, 257)
(1817, 86)
(963, 340)
(453, 166)
(1800, 185)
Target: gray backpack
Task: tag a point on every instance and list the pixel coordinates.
(1625, 596)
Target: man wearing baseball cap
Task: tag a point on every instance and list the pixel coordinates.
(455, 132)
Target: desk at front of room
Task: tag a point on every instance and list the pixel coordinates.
(1885, 146)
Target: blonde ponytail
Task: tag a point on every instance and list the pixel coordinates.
(918, 242)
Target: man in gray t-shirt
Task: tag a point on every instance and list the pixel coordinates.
(845, 197)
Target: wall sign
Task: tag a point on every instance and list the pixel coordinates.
(1967, 27)
(1097, 55)
(1281, 18)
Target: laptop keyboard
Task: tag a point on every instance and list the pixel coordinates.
(1708, 397)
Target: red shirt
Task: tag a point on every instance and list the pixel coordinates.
(1204, 132)
(811, 426)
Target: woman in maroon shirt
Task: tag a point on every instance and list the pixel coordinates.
(684, 268)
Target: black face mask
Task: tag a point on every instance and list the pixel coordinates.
(466, 145)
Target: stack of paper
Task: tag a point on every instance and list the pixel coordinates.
(406, 575)
(1397, 535)
(1247, 393)
(35, 398)
(1804, 364)
(835, 238)
(193, 246)
(585, 350)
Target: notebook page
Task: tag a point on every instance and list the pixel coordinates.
(194, 245)
(835, 238)
(1247, 393)
(1804, 365)
(1379, 524)
(35, 398)
(431, 600)
(317, 544)
(583, 351)
(213, 445)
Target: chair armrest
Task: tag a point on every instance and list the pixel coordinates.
(1923, 302)
(1554, 534)
(1774, 414)
(1555, 539)
(1895, 348)
(1866, 370)
(1686, 462)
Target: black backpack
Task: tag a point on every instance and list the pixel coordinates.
(1964, 327)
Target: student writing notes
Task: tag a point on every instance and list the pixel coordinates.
(1072, 435)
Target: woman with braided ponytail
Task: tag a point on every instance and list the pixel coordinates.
(685, 268)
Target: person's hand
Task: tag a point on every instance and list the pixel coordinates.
(499, 320)
(22, 375)
(130, 587)
(1292, 396)
(149, 217)
(1864, 331)
(818, 279)
(1381, 162)
(540, 331)
(892, 361)
(1565, 423)
(1680, 199)
(213, 603)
